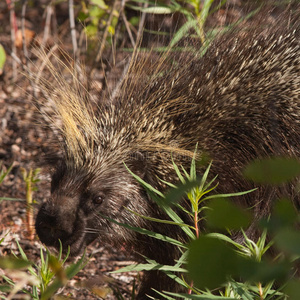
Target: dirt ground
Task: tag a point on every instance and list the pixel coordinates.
(23, 141)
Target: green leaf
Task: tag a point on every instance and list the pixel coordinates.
(229, 195)
(91, 30)
(5, 288)
(205, 176)
(158, 197)
(146, 185)
(9, 262)
(288, 240)
(223, 214)
(149, 233)
(226, 239)
(176, 194)
(10, 199)
(134, 21)
(171, 270)
(273, 170)
(292, 289)
(82, 16)
(100, 3)
(182, 32)
(158, 220)
(111, 30)
(164, 296)
(2, 173)
(2, 58)
(178, 173)
(205, 9)
(70, 272)
(284, 215)
(285, 210)
(210, 261)
(149, 267)
(157, 10)
(200, 297)
(263, 271)
(23, 255)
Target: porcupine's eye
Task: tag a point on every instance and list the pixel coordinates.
(99, 199)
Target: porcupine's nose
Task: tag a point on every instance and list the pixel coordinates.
(49, 226)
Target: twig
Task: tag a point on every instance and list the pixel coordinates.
(73, 29)
(127, 24)
(102, 45)
(16, 58)
(82, 38)
(139, 34)
(49, 12)
(142, 22)
(100, 52)
(13, 30)
(24, 3)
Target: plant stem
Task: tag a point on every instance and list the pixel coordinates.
(260, 291)
(196, 224)
(29, 210)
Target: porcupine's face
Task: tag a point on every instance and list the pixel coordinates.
(79, 203)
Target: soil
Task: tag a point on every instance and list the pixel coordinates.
(23, 141)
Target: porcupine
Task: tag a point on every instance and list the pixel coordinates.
(238, 102)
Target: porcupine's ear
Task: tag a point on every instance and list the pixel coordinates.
(138, 163)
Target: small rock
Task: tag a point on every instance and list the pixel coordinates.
(15, 148)
(18, 140)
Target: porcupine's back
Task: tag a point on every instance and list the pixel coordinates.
(239, 101)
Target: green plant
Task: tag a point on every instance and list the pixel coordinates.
(37, 281)
(2, 59)
(196, 191)
(99, 16)
(194, 11)
(213, 265)
(3, 175)
(34, 280)
(30, 178)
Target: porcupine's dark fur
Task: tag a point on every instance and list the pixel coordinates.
(238, 102)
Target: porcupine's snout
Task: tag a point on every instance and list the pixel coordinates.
(55, 224)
